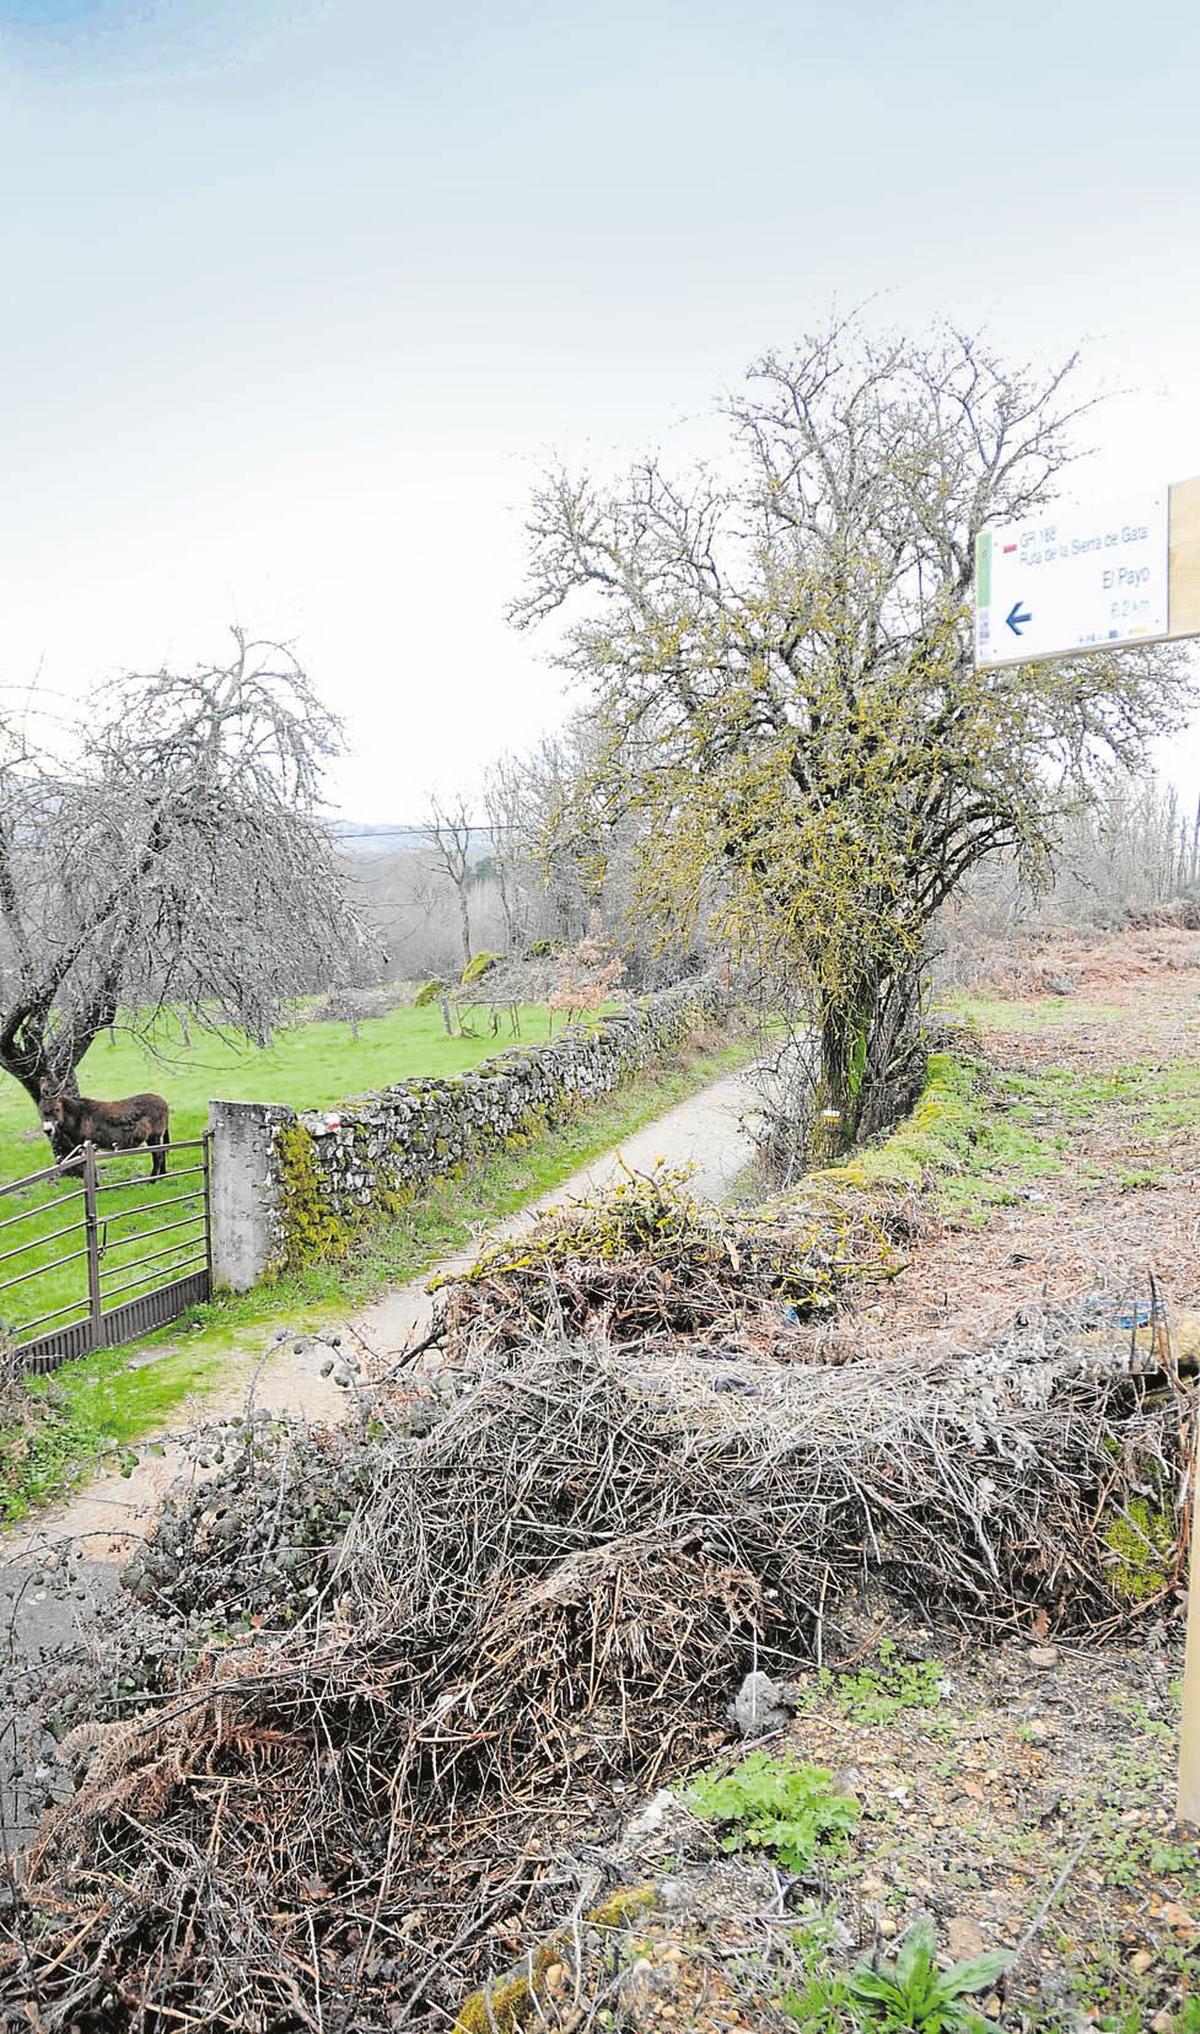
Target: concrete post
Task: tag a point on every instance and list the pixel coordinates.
(245, 1190)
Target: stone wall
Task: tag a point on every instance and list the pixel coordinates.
(291, 1187)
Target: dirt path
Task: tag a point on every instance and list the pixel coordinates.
(107, 1514)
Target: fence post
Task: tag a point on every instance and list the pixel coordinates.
(246, 1188)
(92, 1232)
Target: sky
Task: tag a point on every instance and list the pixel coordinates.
(299, 295)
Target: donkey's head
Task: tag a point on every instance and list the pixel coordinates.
(51, 1103)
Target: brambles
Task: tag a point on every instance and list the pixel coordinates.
(386, 1663)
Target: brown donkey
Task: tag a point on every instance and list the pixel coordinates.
(72, 1120)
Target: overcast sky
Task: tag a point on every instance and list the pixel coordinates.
(299, 293)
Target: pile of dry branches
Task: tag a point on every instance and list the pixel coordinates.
(346, 1817)
(645, 1258)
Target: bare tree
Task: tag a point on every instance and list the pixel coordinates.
(167, 854)
(448, 830)
(505, 808)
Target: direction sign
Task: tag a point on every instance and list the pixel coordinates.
(1073, 579)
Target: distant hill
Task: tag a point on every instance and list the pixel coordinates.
(367, 837)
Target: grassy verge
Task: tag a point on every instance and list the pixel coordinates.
(1032, 1013)
(89, 1409)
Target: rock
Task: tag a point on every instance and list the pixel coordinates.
(1140, 1963)
(1176, 1916)
(1059, 985)
(1042, 1656)
(759, 1706)
(663, 1829)
(1164, 2022)
(964, 1938)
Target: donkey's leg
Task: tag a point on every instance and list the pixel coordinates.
(158, 1166)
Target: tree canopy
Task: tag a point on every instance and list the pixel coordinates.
(166, 852)
(781, 657)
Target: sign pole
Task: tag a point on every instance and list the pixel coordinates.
(1188, 1804)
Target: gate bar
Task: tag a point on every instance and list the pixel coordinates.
(144, 1235)
(49, 1236)
(39, 1320)
(192, 1194)
(12, 1186)
(114, 1186)
(27, 1214)
(151, 1257)
(51, 1264)
(185, 1264)
(93, 1235)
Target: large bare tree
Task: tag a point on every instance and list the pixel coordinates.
(781, 658)
(166, 853)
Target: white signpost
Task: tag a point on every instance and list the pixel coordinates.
(1073, 579)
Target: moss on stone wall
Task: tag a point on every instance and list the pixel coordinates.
(311, 1229)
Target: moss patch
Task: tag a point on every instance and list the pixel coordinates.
(311, 1229)
(1143, 1540)
(512, 2002)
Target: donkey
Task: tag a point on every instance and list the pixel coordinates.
(72, 1120)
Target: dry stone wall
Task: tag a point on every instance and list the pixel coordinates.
(318, 1175)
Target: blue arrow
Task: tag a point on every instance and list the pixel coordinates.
(1015, 618)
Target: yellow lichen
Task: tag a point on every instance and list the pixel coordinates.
(510, 2003)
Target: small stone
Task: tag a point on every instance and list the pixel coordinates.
(1176, 1916)
(759, 1706)
(992, 2006)
(964, 1938)
(1140, 1962)
(1042, 1656)
(555, 1976)
(1164, 2022)
(887, 1927)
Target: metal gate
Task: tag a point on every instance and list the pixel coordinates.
(114, 1288)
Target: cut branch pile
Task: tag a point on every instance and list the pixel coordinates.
(646, 1258)
(349, 1816)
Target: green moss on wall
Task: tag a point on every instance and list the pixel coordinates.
(311, 1230)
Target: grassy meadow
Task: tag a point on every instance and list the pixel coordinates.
(310, 1065)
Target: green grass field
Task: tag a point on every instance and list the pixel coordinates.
(309, 1066)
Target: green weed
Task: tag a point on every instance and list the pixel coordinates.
(878, 1694)
(908, 1996)
(912, 1993)
(776, 1805)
